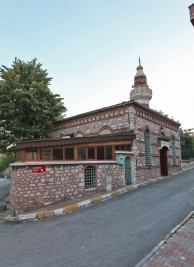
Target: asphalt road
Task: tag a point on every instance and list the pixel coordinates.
(117, 232)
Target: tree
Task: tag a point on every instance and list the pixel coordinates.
(5, 160)
(27, 106)
(187, 144)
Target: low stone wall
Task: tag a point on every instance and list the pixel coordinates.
(57, 182)
(146, 173)
(187, 164)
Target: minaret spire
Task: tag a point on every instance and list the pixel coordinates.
(141, 92)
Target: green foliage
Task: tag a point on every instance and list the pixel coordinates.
(161, 112)
(6, 159)
(187, 144)
(27, 106)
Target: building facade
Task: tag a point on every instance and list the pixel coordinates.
(191, 11)
(127, 143)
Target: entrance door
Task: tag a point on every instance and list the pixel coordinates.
(128, 173)
(164, 161)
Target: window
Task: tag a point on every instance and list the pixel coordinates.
(91, 153)
(128, 147)
(90, 177)
(31, 155)
(81, 153)
(117, 147)
(173, 151)
(45, 154)
(100, 152)
(108, 152)
(18, 156)
(147, 147)
(69, 153)
(57, 154)
(123, 147)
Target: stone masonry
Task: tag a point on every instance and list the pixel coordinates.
(123, 117)
(62, 181)
(112, 120)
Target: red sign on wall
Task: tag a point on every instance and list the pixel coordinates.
(38, 169)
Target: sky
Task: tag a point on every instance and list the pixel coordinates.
(91, 48)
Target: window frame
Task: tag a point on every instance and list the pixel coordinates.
(91, 181)
(75, 148)
(173, 151)
(147, 148)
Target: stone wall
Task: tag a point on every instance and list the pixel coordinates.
(94, 124)
(187, 164)
(122, 118)
(60, 181)
(145, 173)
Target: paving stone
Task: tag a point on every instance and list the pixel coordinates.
(178, 251)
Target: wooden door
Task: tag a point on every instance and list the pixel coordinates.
(164, 161)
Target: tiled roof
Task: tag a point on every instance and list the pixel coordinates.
(126, 103)
(119, 136)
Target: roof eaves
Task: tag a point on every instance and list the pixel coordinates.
(125, 103)
(157, 113)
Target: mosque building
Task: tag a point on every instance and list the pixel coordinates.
(112, 147)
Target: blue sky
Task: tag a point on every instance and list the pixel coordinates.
(91, 49)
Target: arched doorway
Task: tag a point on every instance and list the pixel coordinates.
(164, 161)
(128, 172)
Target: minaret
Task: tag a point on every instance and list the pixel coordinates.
(141, 92)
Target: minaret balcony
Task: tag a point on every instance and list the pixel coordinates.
(141, 92)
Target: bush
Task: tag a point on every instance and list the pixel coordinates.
(6, 159)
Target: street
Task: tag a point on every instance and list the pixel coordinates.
(117, 232)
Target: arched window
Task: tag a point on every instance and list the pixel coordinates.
(90, 177)
(147, 147)
(173, 151)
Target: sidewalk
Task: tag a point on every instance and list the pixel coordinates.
(177, 250)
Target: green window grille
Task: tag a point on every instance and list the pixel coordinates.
(128, 174)
(173, 151)
(148, 160)
(90, 177)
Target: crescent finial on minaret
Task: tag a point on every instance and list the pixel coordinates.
(139, 61)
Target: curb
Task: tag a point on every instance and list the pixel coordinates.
(169, 235)
(68, 209)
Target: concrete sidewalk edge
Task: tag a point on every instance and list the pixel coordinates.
(159, 245)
